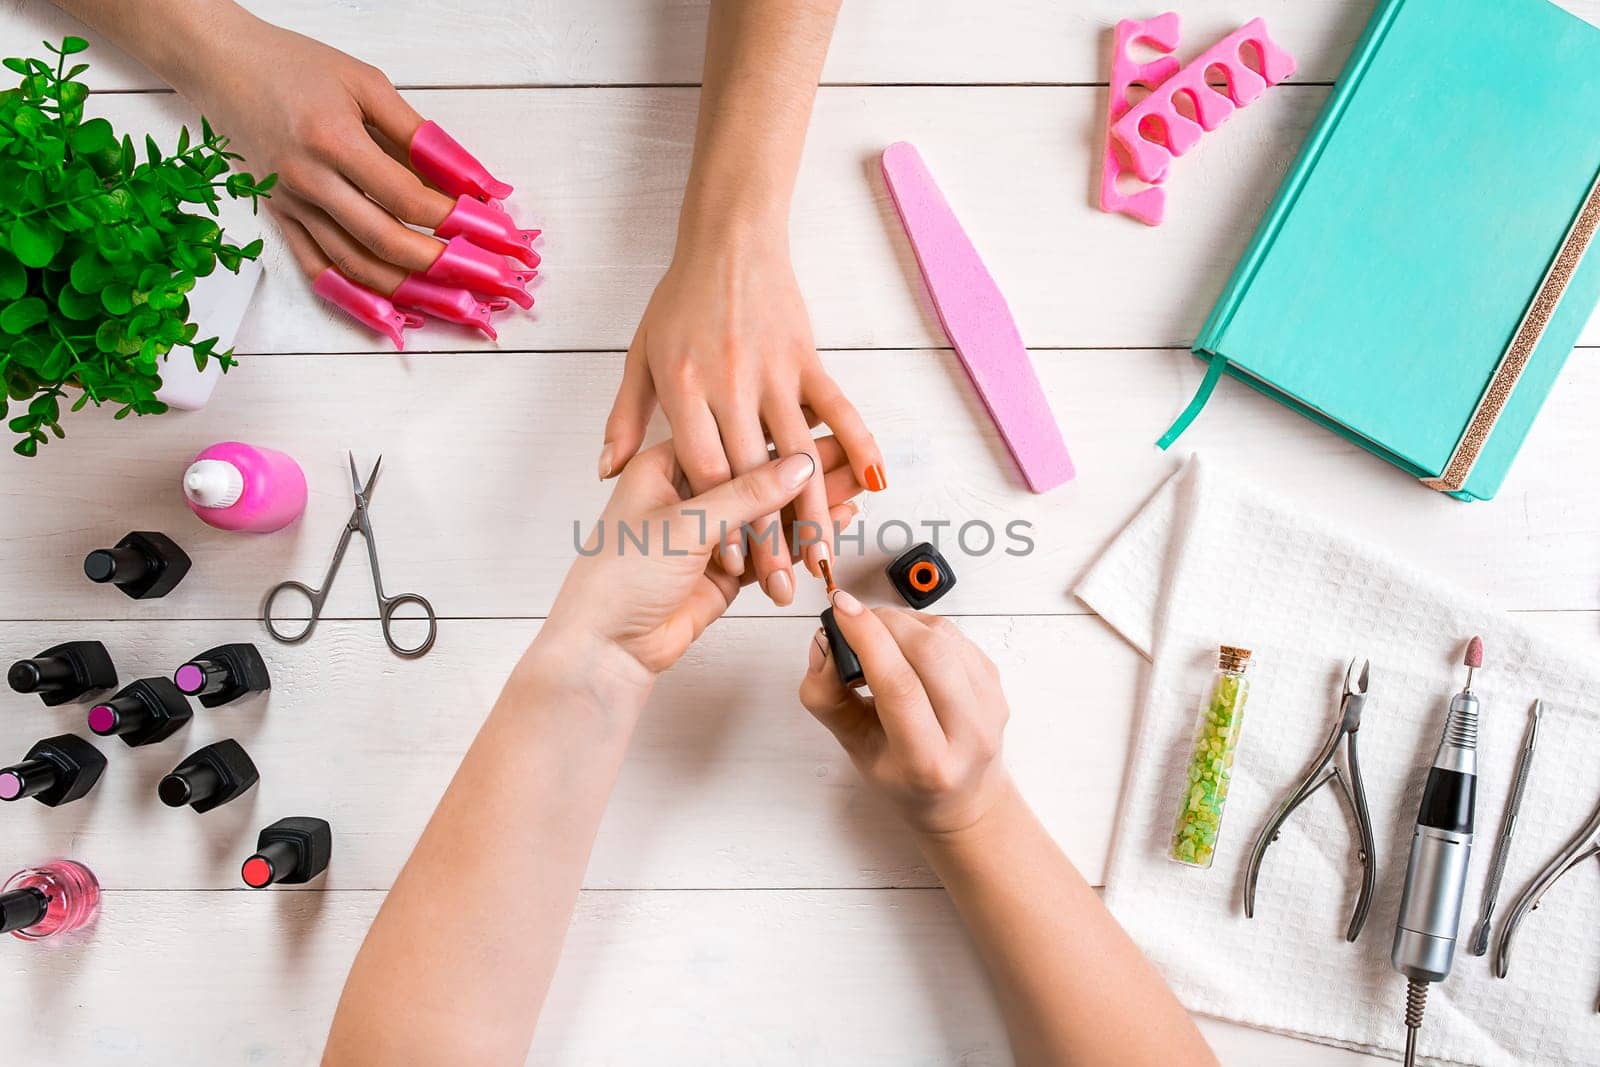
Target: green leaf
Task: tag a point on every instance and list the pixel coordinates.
(89, 273)
(73, 45)
(33, 242)
(23, 315)
(13, 277)
(118, 299)
(78, 306)
(96, 135)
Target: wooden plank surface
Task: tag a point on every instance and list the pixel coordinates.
(511, 440)
(602, 170)
(609, 42)
(713, 978)
(729, 782)
(748, 901)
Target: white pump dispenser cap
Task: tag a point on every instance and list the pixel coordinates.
(213, 483)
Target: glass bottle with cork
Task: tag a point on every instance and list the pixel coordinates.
(1210, 768)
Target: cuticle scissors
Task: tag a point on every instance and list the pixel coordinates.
(359, 522)
(1324, 769)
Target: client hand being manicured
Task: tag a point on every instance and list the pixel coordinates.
(637, 609)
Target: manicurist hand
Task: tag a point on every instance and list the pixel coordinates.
(640, 609)
(725, 345)
(330, 126)
(928, 738)
(1072, 986)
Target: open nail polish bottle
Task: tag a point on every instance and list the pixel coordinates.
(63, 673)
(144, 713)
(209, 777)
(51, 899)
(223, 674)
(56, 771)
(289, 852)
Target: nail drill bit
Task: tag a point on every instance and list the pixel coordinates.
(1436, 874)
(1508, 823)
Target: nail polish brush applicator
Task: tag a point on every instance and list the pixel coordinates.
(844, 657)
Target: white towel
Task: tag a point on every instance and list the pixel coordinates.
(1209, 562)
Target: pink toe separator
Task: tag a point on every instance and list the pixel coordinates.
(1210, 106)
(440, 158)
(1149, 206)
(373, 310)
(488, 225)
(463, 265)
(450, 305)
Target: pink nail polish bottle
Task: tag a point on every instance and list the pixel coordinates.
(53, 898)
(235, 486)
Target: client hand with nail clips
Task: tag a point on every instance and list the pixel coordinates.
(473, 967)
(359, 170)
(725, 346)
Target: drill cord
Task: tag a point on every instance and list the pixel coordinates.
(1416, 1003)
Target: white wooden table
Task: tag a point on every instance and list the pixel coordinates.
(747, 902)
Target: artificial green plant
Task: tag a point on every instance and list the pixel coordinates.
(98, 250)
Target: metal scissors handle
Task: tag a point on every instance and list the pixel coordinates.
(359, 522)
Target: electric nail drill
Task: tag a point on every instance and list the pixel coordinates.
(1436, 875)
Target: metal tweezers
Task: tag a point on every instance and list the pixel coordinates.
(1584, 846)
(1349, 781)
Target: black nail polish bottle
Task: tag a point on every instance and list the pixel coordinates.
(843, 656)
(209, 777)
(921, 575)
(223, 674)
(143, 713)
(57, 770)
(289, 852)
(146, 566)
(63, 673)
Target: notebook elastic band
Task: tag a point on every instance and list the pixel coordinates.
(1523, 343)
(1201, 395)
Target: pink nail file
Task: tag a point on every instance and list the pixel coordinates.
(977, 321)
(1149, 206)
(440, 158)
(1210, 106)
(373, 310)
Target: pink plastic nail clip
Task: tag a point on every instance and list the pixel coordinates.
(463, 265)
(1149, 206)
(440, 158)
(450, 305)
(1210, 106)
(488, 225)
(373, 310)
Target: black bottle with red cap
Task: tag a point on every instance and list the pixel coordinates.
(209, 777)
(56, 771)
(143, 713)
(64, 673)
(289, 852)
(146, 566)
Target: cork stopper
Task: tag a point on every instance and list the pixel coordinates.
(1232, 659)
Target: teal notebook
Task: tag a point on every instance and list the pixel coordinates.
(1448, 179)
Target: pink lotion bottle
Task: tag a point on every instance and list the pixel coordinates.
(53, 898)
(235, 486)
